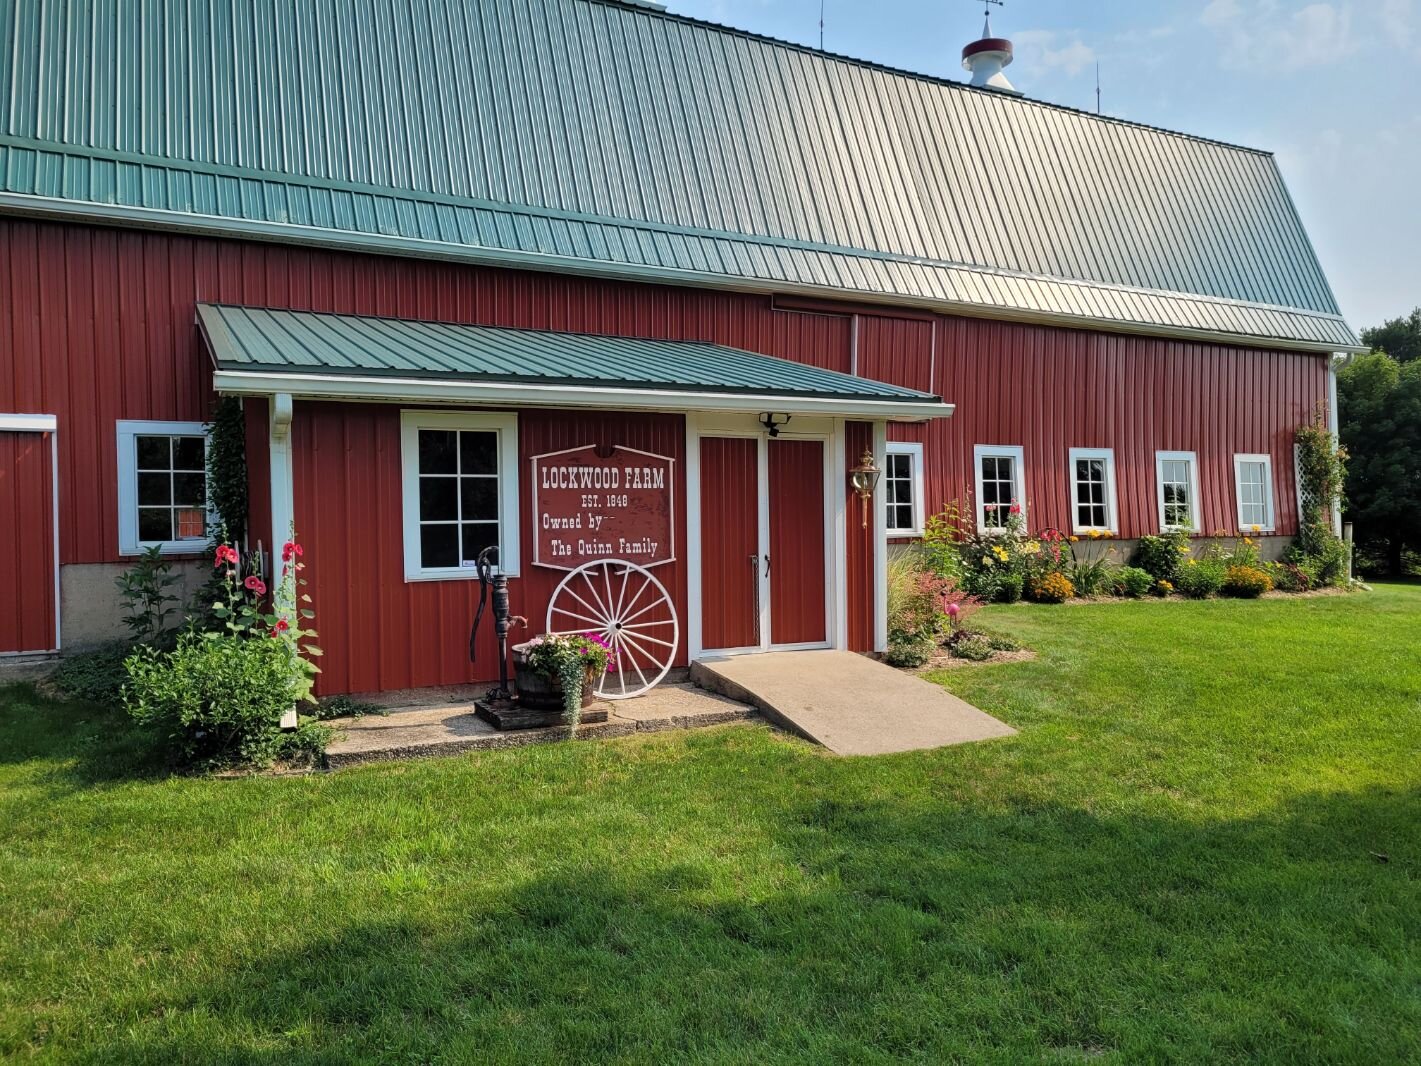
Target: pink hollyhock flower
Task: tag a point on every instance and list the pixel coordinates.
(225, 554)
(256, 584)
(1016, 508)
(291, 550)
(281, 627)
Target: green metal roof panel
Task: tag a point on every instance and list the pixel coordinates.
(259, 339)
(591, 133)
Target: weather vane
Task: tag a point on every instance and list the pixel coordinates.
(999, 3)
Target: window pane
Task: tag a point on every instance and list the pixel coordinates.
(188, 453)
(479, 498)
(478, 452)
(905, 516)
(438, 546)
(477, 537)
(438, 499)
(438, 451)
(153, 453)
(189, 490)
(154, 489)
(192, 523)
(155, 523)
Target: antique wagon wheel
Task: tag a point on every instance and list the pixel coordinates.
(630, 610)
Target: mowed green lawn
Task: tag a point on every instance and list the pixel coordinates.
(1204, 845)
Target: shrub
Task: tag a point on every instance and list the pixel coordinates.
(999, 643)
(1290, 577)
(96, 676)
(1246, 582)
(1010, 588)
(910, 653)
(1132, 582)
(975, 648)
(344, 707)
(220, 696)
(149, 604)
(1200, 578)
(1161, 556)
(1052, 588)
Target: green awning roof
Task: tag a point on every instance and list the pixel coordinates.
(261, 350)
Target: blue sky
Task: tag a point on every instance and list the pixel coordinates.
(1334, 89)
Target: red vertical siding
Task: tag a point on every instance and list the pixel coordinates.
(796, 473)
(730, 542)
(26, 542)
(858, 437)
(381, 632)
(96, 325)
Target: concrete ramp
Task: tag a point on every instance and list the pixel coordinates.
(849, 703)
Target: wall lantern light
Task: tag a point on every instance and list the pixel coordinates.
(864, 479)
(772, 422)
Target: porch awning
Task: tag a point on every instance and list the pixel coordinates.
(260, 351)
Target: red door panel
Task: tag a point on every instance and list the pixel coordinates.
(730, 542)
(26, 542)
(797, 542)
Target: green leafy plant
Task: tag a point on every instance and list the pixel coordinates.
(329, 707)
(150, 607)
(96, 676)
(974, 648)
(1132, 582)
(1001, 643)
(573, 661)
(1322, 471)
(1201, 578)
(1246, 582)
(1010, 588)
(220, 696)
(910, 652)
(1162, 554)
(942, 534)
(227, 470)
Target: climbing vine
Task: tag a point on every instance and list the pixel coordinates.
(227, 470)
(1322, 470)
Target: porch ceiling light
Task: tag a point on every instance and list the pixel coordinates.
(864, 479)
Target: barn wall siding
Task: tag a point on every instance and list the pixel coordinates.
(97, 324)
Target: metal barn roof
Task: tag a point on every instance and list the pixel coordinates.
(598, 136)
(258, 349)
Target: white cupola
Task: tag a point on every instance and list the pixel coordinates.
(985, 60)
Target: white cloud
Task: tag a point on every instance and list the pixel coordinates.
(1262, 34)
(1048, 50)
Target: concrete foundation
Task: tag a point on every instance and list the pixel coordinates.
(91, 612)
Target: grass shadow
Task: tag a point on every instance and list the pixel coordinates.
(1035, 932)
(81, 744)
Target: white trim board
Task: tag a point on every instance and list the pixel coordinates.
(506, 394)
(1112, 504)
(505, 426)
(1270, 506)
(1183, 457)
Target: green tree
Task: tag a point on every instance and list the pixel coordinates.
(1379, 401)
(1400, 338)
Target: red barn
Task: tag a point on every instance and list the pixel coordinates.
(581, 278)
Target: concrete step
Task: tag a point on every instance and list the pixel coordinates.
(849, 703)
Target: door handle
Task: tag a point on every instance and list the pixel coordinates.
(767, 566)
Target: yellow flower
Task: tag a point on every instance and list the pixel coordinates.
(1183, 549)
(1193, 562)
(1248, 540)
(1094, 533)
(1256, 529)
(1033, 547)
(1075, 540)
(987, 561)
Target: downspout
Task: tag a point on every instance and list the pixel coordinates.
(854, 345)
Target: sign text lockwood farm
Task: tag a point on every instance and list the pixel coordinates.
(588, 506)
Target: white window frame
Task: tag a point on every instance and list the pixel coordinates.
(127, 432)
(1014, 452)
(1112, 507)
(1193, 460)
(914, 451)
(509, 531)
(1270, 505)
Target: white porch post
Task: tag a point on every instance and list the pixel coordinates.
(880, 544)
(838, 515)
(283, 497)
(1332, 427)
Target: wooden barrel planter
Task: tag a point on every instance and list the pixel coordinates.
(537, 691)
